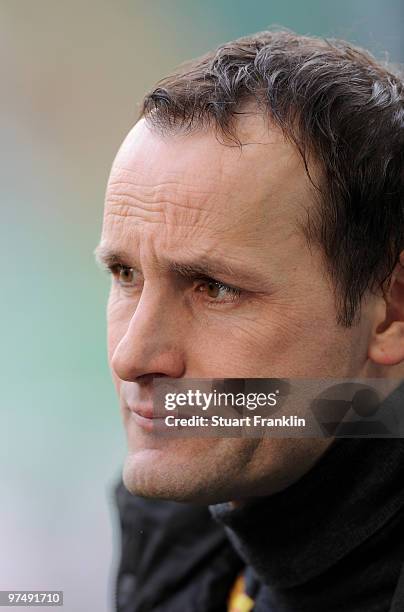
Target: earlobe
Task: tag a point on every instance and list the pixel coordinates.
(387, 347)
(387, 342)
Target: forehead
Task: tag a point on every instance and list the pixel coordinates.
(197, 181)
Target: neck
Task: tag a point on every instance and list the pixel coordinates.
(344, 509)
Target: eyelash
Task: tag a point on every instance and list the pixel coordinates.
(115, 269)
(233, 292)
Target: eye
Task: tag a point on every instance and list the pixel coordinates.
(217, 291)
(124, 275)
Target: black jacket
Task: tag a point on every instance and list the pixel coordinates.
(332, 542)
(175, 557)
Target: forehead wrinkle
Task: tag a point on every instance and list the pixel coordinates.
(226, 202)
(169, 186)
(137, 177)
(168, 224)
(155, 194)
(179, 206)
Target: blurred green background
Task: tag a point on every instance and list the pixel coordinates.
(72, 75)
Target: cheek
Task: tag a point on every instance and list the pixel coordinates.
(235, 347)
(274, 342)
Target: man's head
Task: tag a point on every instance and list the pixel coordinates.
(254, 222)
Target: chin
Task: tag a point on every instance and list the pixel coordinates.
(156, 474)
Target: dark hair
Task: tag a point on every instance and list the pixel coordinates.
(330, 99)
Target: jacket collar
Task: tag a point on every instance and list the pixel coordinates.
(292, 536)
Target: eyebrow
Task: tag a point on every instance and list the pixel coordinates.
(200, 266)
(109, 257)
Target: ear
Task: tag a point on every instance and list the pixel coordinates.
(387, 342)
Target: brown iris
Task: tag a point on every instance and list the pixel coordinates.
(126, 275)
(212, 289)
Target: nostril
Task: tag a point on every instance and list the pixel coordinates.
(147, 379)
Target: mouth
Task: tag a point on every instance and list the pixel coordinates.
(143, 410)
(144, 416)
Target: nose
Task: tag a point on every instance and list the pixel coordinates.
(151, 344)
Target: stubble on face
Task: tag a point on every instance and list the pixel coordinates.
(186, 199)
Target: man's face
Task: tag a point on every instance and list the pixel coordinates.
(213, 278)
